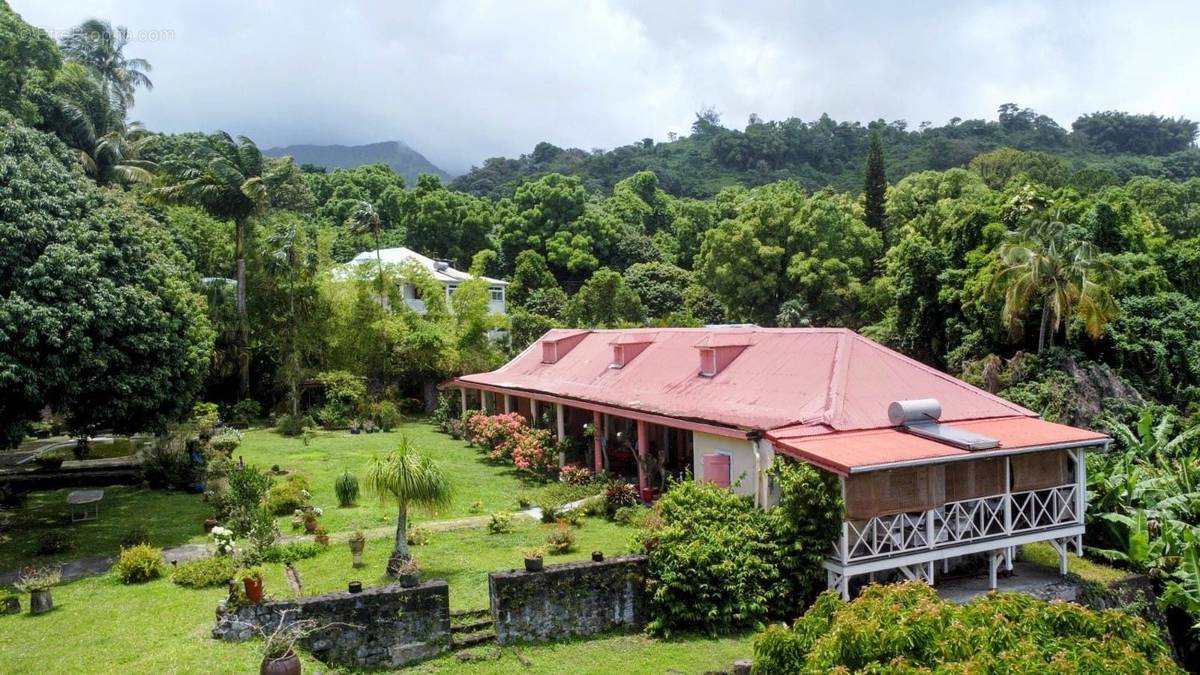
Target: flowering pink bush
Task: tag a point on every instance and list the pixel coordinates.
(575, 474)
(508, 437)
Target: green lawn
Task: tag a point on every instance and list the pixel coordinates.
(480, 487)
(171, 518)
(1041, 553)
(161, 627)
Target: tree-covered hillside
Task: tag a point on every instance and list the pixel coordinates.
(401, 158)
(1104, 148)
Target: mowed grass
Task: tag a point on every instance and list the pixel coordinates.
(170, 518)
(1042, 554)
(480, 487)
(160, 627)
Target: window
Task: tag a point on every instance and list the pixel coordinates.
(497, 295)
(450, 288)
(618, 360)
(708, 362)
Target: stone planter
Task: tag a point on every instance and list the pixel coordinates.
(40, 602)
(597, 556)
(354, 587)
(533, 564)
(11, 605)
(407, 580)
(356, 552)
(288, 664)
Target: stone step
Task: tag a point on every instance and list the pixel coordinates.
(472, 639)
(469, 613)
(470, 626)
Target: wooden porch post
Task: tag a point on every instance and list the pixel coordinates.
(643, 444)
(508, 403)
(533, 412)
(597, 440)
(560, 414)
(463, 392)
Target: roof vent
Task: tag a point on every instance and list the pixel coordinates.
(920, 418)
(440, 265)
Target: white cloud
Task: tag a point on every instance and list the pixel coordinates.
(462, 81)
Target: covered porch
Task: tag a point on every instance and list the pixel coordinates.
(644, 448)
(913, 521)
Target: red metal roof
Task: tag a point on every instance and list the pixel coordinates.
(845, 452)
(825, 379)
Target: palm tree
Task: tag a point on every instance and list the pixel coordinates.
(225, 178)
(85, 119)
(363, 218)
(101, 47)
(288, 258)
(410, 478)
(1041, 264)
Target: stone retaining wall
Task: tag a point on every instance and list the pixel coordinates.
(381, 627)
(570, 600)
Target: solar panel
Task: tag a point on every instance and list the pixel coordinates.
(944, 433)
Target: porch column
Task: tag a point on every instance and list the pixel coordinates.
(487, 401)
(533, 412)
(560, 416)
(463, 392)
(597, 440)
(508, 403)
(642, 447)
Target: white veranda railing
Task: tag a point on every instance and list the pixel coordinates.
(960, 522)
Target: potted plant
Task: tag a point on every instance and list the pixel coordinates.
(10, 604)
(209, 524)
(533, 559)
(355, 428)
(310, 520)
(279, 644)
(322, 535)
(357, 543)
(252, 579)
(406, 573)
(37, 582)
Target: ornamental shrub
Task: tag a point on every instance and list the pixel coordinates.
(508, 438)
(347, 490)
(500, 523)
(711, 561)
(204, 572)
(804, 523)
(908, 628)
(285, 497)
(293, 425)
(139, 563)
(386, 415)
(575, 474)
(226, 442)
(245, 412)
(619, 495)
(560, 540)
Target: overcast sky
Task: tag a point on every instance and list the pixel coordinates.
(463, 81)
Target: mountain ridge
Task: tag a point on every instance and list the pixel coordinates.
(397, 154)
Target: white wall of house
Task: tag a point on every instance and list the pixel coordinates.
(741, 465)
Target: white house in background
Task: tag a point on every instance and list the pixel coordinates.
(449, 277)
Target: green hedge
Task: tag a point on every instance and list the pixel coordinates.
(908, 628)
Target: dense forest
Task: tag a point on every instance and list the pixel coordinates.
(141, 271)
(1103, 148)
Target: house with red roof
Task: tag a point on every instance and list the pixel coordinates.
(931, 468)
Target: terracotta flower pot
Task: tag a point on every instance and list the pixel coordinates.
(209, 524)
(40, 602)
(310, 526)
(288, 664)
(254, 589)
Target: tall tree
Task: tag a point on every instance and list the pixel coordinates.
(410, 478)
(875, 188)
(1042, 265)
(291, 260)
(101, 47)
(97, 316)
(362, 218)
(224, 177)
(27, 56)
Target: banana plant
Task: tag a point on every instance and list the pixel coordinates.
(1183, 588)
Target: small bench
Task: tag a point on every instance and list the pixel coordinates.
(84, 504)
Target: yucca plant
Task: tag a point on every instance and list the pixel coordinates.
(346, 488)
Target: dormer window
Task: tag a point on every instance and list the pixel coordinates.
(708, 362)
(719, 350)
(628, 346)
(556, 344)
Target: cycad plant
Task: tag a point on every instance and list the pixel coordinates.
(410, 478)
